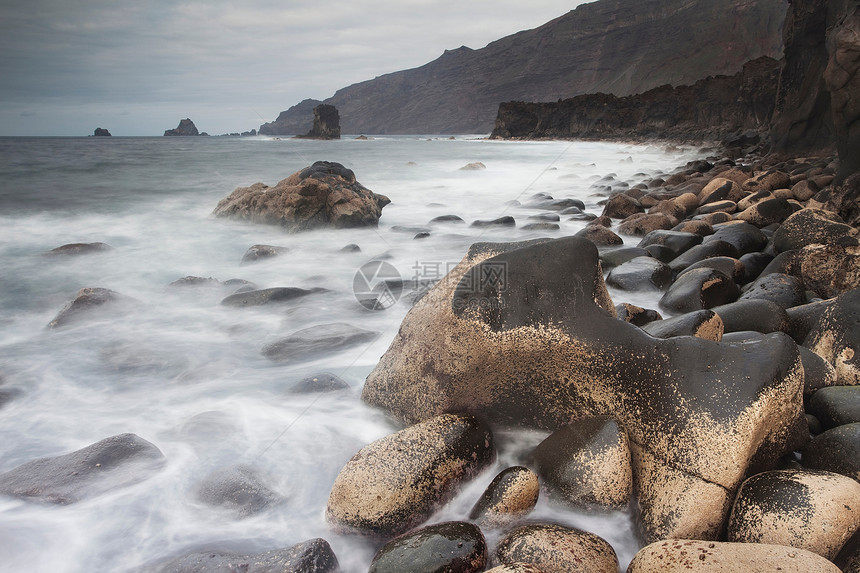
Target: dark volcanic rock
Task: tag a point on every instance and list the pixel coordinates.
(510, 496)
(74, 249)
(238, 489)
(757, 315)
(640, 273)
(454, 546)
(326, 194)
(704, 324)
(396, 482)
(313, 556)
(784, 290)
(836, 406)
(326, 123)
(310, 343)
(101, 132)
(699, 289)
(112, 463)
(185, 127)
(836, 450)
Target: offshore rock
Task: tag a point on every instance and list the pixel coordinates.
(314, 341)
(186, 127)
(74, 249)
(511, 496)
(87, 304)
(326, 123)
(101, 132)
(457, 547)
(813, 510)
(524, 334)
(398, 481)
(684, 556)
(110, 464)
(556, 549)
(326, 194)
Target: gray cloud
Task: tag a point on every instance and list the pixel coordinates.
(138, 67)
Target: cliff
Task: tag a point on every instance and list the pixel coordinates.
(713, 108)
(618, 47)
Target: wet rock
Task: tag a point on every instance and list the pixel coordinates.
(322, 382)
(544, 227)
(396, 482)
(767, 182)
(455, 547)
(744, 237)
(556, 549)
(544, 348)
(699, 289)
(600, 235)
(677, 242)
(447, 219)
(75, 249)
(636, 314)
(310, 343)
(807, 509)
(621, 206)
(830, 270)
(312, 556)
(238, 489)
(87, 304)
(805, 317)
(705, 324)
(410, 229)
(730, 267)
(836, 450)
(817, 372)
(836, 406)
(712, 248)
(757, 315)
(511, 496)
(260, 252)
(685, 556)
(546, 217)
(506, 221)
(110, 464)
(644, 223)
(191, 281)
(268, 296)
(326, 194)
(753, 264)
(808, 227)
(587, 463)
(615, 256)
(767, 212)
(836, 337)
(784, 290)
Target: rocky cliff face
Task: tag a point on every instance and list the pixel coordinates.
(714, 108)
(612, 46)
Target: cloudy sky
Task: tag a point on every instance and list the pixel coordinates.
(136, 67)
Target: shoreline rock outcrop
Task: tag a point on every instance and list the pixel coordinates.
(326, 123)
(186, 128)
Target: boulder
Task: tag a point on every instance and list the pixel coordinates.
(677, 241)
(744, 237)
(398, 481)
(685, 556)
(268, 296)
(804, 318)
(753, 265)
(473, 166)
(312, 556)
(186, 127)
(729, 266)
(767, 212)
(830, 270)
(640, 273)
(615, 256)
(542, 347)
(194, 282)
(842, 199)
(704, 324)
(259, 252)
(556, 549)
(836, 406)
(636, 314)
(452, 546)
(784, 290)
(817, 372)
(110, 464)
(326, 194)
(767, 181)
(836, 450)
(599, 235)
(808, 227)
(74, 249)
(753, 314)
(699, 289)
(239, 489)
(87, 304)
(707, 250)
(511, 496)
(644, 223)
(808, 509)
(326, 123)
(701, 228)
(836, 337)
(607, 236)
(621, 206)
(587, 463)
(720, 189)
(506, 221)
(717, 211)
(315, 341)
(322, 382)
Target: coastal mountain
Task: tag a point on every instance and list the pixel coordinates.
(618, 47)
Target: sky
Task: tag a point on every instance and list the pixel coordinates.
(136, 67)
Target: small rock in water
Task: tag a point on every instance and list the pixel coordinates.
(351, 248)
(86, 302)
(191, 281)
(238, 489)
(74, 249)
(454, 219)
(322, 382)
(453, 546)
(310, 343)
(474, 166)
(260, 252)
(110, 464)
(268, 296)
(511, 496)
(506, 221)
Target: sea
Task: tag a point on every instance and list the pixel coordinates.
(186, 373)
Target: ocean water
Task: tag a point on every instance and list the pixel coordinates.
(187, 374)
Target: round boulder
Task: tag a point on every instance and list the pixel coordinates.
(758, 315)
(456, 547)
(836, 450)
(704, 324)
(599, 235)
(512, 495)
(587, 463)
(784, 290)
(640, 273)
(396, 482)
(808, 227)
(699, 289)
(807, 509)
(238, 489)
(836, 406)
(836, 337)
(556, 549)
(621, 206)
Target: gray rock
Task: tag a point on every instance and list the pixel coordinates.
(322, 382)
(268, 296)
(836, 406)
(238, 489)
(454, 546)
(89, 303)
(257, 253)
(75, 249)
(310, 343)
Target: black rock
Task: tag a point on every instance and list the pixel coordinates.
(101, 132)
(268, 296)
(351, 248)
(506, 221)
(310, 343)
(730, 267)
(836, 406)
(110, 464)
(805, 317)
(636, 315)
(712, 248)
(785, 290)
(754, 264)
(701, 323)
(753, 314)
(699, 289)
(455, 547)
(615, 256)
(447, 219)
(677, 241)
(836, 450)
(186, 127)
(73, 249)
(817, 372)
(640, 273)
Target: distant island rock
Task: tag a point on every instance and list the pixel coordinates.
(186, 128)
(101, 132)
(326, 123)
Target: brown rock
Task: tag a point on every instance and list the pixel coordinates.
(600, 235)
(511, 496)
(767, 182)
(621, 206)
(556, 549)
(642, 223)
(830, 270)
(836, 337)
(721, 189)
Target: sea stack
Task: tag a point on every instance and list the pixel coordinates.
(101, 132)
(326, 123)
(185, 127)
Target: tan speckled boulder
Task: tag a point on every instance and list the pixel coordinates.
(396, 482)
(807, 509)
(524, 334)
(516, 568)
(511, 496)
(830, 270)
(683, 556)
(836, 337)
(556, 549)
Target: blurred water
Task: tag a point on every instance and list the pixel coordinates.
(186, 373)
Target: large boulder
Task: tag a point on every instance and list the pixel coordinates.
(112, 463)
(836, 450)
(836, 337)
(684, 556)
(396, 482)
(524, 334)
(453, 546)
(326, 194)
(326, 123)
(556, 549)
